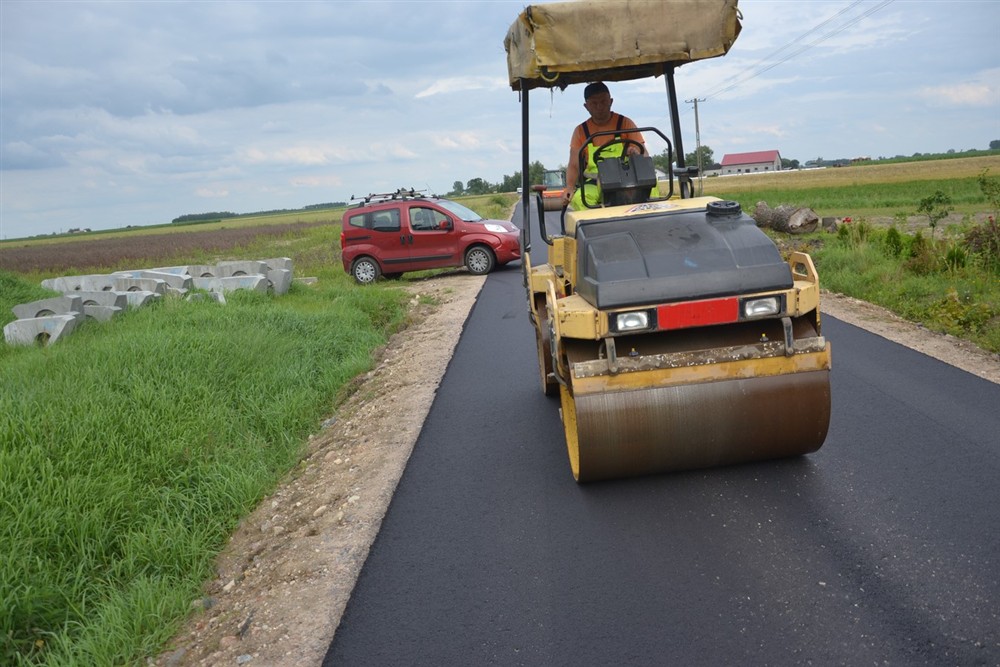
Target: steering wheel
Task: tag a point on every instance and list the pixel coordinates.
(625, 143)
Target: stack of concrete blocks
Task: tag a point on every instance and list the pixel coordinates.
(101, 297)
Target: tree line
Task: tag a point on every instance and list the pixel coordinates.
(480, 186)
(215, 216)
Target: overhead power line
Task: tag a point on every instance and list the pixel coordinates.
(765, 64)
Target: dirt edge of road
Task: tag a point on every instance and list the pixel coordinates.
(285, 577)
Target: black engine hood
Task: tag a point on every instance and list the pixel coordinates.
(676, 256)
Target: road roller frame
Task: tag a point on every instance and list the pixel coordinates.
(673, 331)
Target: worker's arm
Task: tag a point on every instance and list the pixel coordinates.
(573, 164)
(632, 149)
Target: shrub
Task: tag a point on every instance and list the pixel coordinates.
(984, 240)
(854, 233)
(893, 242)
(961, 313)
(955, 257)
(990, 188)
(923, 258)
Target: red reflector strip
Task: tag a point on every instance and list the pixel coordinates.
(698, 313)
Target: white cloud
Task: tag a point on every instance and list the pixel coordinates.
(457, 140)
(980, 91)
(135, 113)
(461, 84)
(330, 181)
(210, 193)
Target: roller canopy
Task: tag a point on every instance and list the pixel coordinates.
(555, 45)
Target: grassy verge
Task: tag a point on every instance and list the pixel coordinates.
(945, 276)
(130, 450)
(950, 286)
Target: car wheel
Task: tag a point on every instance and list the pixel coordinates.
(479, 260)
(365, 270)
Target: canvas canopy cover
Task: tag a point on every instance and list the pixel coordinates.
(555, 45)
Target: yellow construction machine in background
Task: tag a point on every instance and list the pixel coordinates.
(673, 330)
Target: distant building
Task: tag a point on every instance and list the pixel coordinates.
(751, 163)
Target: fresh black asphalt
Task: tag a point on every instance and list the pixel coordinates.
(881, 548)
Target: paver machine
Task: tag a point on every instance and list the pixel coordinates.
(670, 325)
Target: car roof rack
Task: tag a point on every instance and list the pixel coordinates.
(379, 197)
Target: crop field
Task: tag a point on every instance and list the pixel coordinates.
(878, 190)
(129, 250)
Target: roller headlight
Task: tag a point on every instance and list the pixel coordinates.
(632, 321)
(763, 307)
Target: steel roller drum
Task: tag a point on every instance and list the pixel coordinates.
(612, 434)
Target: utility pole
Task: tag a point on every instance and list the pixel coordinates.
(697, 141)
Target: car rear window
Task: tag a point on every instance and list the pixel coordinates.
(357, 220)
(380, 221)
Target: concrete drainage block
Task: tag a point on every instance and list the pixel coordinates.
(279, 280)
(101, 313)
(231, 283)
(57, 305)
(40, 330)
(175, 281)
(101, 297)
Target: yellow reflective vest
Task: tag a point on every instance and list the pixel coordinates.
(590, 189)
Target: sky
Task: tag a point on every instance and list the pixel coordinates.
(134, 113)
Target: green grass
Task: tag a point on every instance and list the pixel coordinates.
(130, 450)
(961, 300)
(880, 199)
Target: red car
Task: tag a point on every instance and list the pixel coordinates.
(387, 235)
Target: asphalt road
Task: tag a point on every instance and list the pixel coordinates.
(881, 548)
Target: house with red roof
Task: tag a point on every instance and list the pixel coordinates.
(750, 163)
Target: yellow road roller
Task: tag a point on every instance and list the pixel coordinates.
(674, 331)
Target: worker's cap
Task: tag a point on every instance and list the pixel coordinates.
(595, 89)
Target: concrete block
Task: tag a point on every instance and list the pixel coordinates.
(279, 263)
(202, 271)
(254, 282)
(175, 280)
(109, 299)
(101, 313)
(245, 268)
(57, 305)
(155, 285)
(279, 280)
(89, 283)
(174, 270)
(218, 297)
(140, 298)
(99, 283)
(40, 330)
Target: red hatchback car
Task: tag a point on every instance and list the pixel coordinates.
(387, 235)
